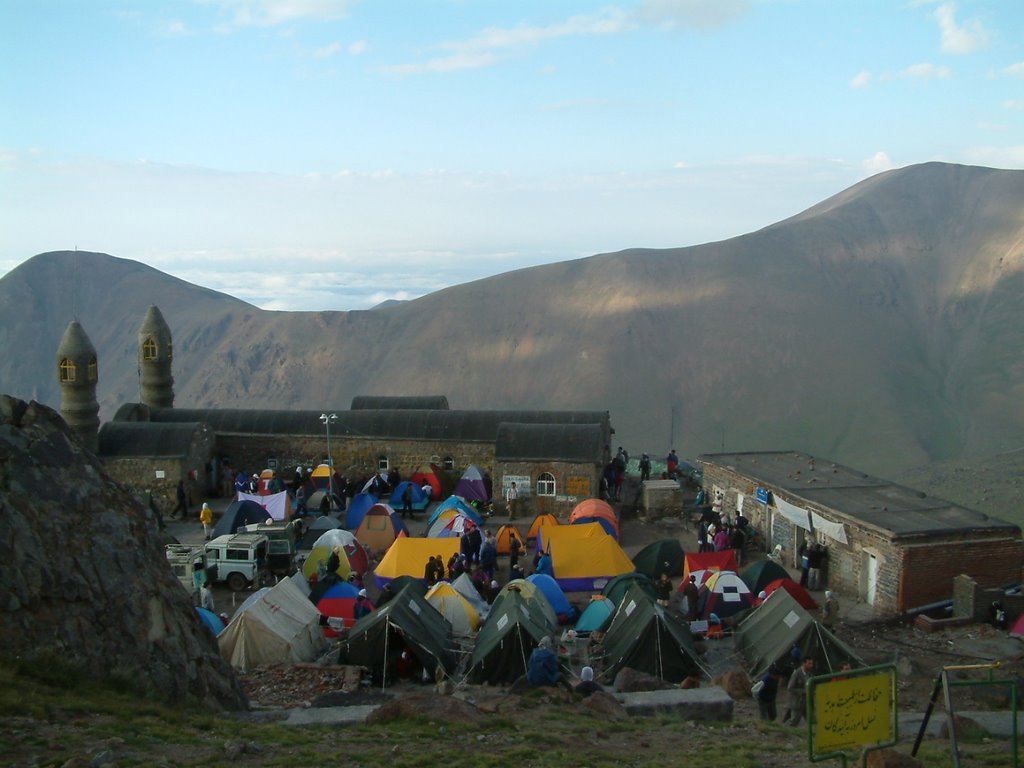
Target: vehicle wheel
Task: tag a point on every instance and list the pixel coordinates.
(237, 582)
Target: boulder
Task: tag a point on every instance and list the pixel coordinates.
(966, 728)
(736, 683)
(890, 758)
(86, 585)
(605, 706)
(631, 681)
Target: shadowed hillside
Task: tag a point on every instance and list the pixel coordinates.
(881, 328)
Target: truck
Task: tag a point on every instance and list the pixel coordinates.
(238, 559)
(281, 553)
(188, 564)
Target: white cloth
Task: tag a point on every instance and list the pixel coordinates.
(276, 504)
(796, 515)
(836, 531)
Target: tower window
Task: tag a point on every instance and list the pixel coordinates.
(68, 371)
(170, 354)
(93, 371)
(149, 349)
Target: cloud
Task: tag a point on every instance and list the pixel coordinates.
(877, 163)
(358, 48)
(957, 38)
(997, 157)
(174, 28)
(698, 14)
(926, 71)
(1015, 70)
(482, 50)
(271, 13)
(1013, 104)
(861, 80)
(327, 51)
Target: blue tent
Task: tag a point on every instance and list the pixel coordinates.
(554, 594)
(419, 498)
(596, 616)
(212, 620)
(454, 502)
(239, 513)
(357, 509)
(608, 527)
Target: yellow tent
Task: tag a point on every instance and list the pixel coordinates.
(586, 564)
(408, 557)
(453, 606)
(550, 534)
(319, 554)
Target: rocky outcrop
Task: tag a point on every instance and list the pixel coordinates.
(85, 579)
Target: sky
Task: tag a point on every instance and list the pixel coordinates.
(334, 154)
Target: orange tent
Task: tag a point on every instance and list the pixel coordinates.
(503, 539)
(544, 518)
(596, 511)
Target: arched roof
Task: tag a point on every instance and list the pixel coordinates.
(539, 442)
(412, 402)
(134, 438)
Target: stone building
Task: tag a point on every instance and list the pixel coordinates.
(889, 546)
(555, 456)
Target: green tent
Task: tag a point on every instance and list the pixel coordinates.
(650, 639)
(770, 631)
(405, 623)
(513, 629)
(615, 589)
(401, 582)
(759, 575)
(662, 556)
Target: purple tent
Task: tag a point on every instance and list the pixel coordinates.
(473, 485)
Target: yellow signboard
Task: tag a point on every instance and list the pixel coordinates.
(577, 486)
(853, 711)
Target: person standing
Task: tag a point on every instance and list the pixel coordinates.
(767, 694)
(182, 496)
(514, 550)
(798, 691)
(407, 501)
(672, 464)
(512, 500)
(645, 467)
(206, 598)
(830, 611)
(206, 518)
(663, 588)
(691, 593)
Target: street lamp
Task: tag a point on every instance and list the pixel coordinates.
(328, 419)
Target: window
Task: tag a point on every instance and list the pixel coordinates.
(67, 371)
(546, 484)
(383, 464)
(449, 462)
(92, 371)
(149, 349)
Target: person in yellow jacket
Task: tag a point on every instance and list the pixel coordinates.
(206, 518)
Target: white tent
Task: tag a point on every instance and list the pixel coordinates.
(280, 627)
(464, 586)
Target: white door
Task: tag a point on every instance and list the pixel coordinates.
(871, 579)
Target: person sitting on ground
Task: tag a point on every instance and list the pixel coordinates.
(587, 686)
(544, 565)
(363, 605)
(542, 667)
(663, 588)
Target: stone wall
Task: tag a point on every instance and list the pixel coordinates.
(661, 498)
(574, 482)
(85, 577)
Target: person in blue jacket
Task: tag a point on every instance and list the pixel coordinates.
(542, 667)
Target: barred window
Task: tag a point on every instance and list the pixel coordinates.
(546, 484)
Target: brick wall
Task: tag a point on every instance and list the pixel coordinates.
(929, 569)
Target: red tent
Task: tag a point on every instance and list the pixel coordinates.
(799, 594)
(709, 561)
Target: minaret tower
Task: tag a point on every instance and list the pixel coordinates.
(77, 374)
(156, 384)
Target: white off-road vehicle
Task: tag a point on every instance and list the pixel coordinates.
(240, 559)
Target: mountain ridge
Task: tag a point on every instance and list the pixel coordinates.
(877, 328)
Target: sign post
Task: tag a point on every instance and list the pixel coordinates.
(851, 710)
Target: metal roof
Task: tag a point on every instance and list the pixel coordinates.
(409, 403)
(133, 438)
(480, 426)
(826, 486)
(540, 442)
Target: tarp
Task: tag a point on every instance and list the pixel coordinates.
(596, 616)
(419, 498)
(358, 559)
(407, 622)
(506, 639)
(648, 638)
(617, 588)
(504, 536)
(723, 594)
(473, 485)
(596, 511)
(380, 527)
(544, 518)
(797, 592)
(408, 557)
(564, 610)
(357, 509)
(337, 600)
(237, 514)
(463, 584)
(281, 627)
(275, 505)
(760, 574)
(454, 502)
(450, 603)
(585, 564)
(709, 561)
(768, 634)
(662, 556)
